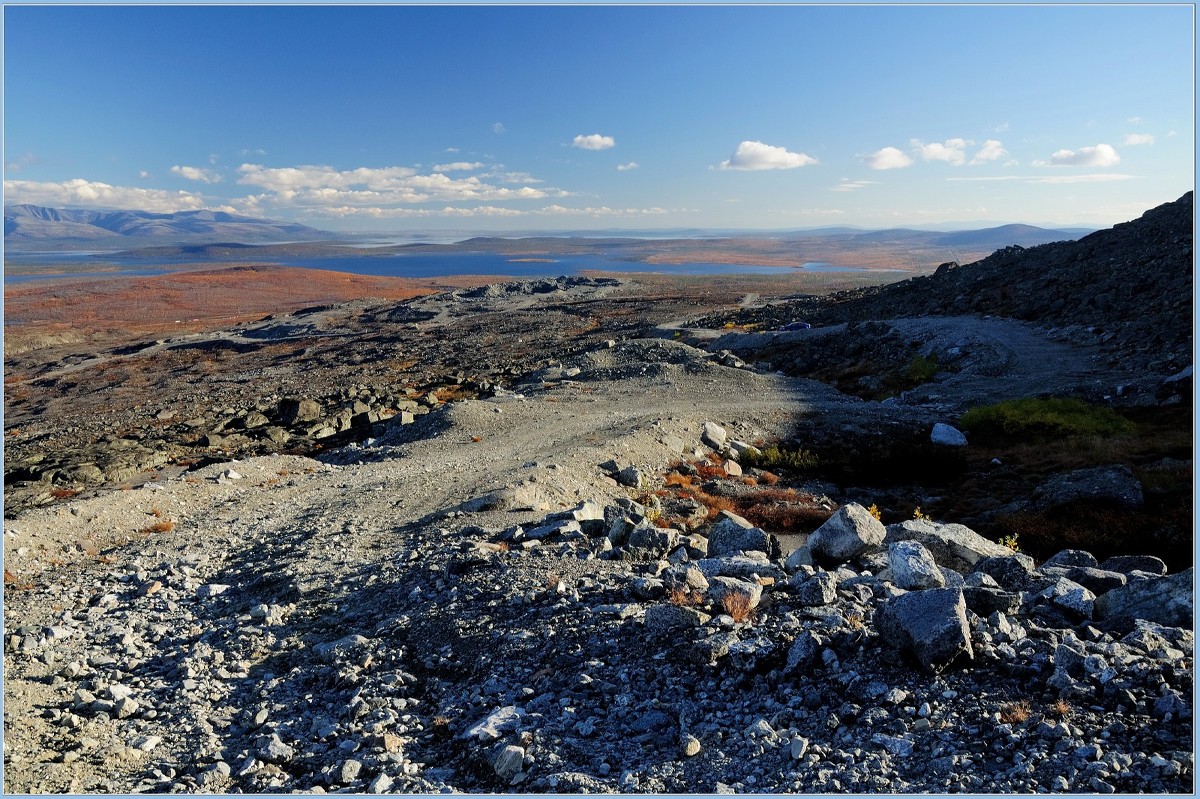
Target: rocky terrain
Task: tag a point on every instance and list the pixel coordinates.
(583, 535)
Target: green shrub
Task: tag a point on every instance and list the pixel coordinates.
(776, 457)
(921, 369)
(1033, 416)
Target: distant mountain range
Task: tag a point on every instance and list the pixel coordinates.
(214, 234)
(1001, 236)
(35, 227)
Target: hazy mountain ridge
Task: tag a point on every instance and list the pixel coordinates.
(68, 227)
(33, 226)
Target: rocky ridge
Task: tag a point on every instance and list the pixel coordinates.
(1126, 290)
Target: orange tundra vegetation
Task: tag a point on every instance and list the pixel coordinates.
(778, 510)
(196, 299)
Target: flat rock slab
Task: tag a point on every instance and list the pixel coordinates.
(1167, 601)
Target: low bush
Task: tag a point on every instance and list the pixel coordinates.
(921, 369)
(776, 457)
(1048, 416)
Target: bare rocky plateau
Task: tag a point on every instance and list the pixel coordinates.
(524, 537)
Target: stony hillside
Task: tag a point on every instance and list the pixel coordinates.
(537, 593)
(1128, 288)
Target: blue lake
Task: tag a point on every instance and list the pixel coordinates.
(418, 265)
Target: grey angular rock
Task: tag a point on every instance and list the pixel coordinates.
(952, 545)
(495, 724)
(800, 556)
(947, 436)
(931, 624)
(912, 567)
(1166, 600)
(711, 649)
(815, 591)
(1098, 581)
(805, 651)
(1011, 573)
(651, 541)
(660, 618)
(714, 435)
(985, 600)
(1131, 563)
(294, 411)
(508, 761)
(273, 750)
(349, 771)
(727, 537)
(1071, 557)
(630, 476)
(1115, 484)
(739, 566)
(722, 590)
(850, 532)
(332, 650)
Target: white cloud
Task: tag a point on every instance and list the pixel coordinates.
(20, 162)
(853, 185)
(498, 127)
(196, 173)
(627, 167)
(1135, 120)
(452, 149)
(603, 210)
(593, 141)
(499, 173)
(1171, 133)
(378, 212)
(80, 193)
(316, 186)
(143, 174)
(1100, 155)
(1139, 138)
(992, 150)
(458, 166)
(1001, 128)
(888, 158)
(214, 158)
(754, 155)
(951, 151)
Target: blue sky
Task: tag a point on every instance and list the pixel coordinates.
(521, 118)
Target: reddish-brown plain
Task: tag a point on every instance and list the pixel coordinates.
(101, 310)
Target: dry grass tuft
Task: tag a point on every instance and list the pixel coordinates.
(1061, 708)
(680, 480)
(158, 527)
(737, 606)
(1014, 712)
(683, 596)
